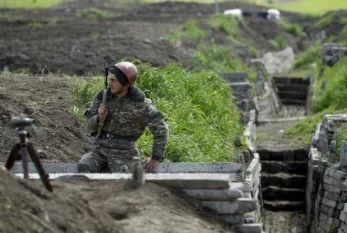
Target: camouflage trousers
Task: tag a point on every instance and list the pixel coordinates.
(112, 155)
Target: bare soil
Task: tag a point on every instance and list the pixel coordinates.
(58, 137)
(57, 41)
(100, 207)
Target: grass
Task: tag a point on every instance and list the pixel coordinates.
(278, 43)
(313, 7)
(226, 23)
(189, 31)
(335, 92)
(331, 100)
(203, 120)
(30, 3)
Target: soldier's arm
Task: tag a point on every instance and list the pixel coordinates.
(92, 115)
(155, 122)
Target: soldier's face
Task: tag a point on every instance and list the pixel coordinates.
(114, 84)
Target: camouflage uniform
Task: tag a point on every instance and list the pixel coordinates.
(126, 121)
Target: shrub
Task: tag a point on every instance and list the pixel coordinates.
(35, 25)
(226, 23)
(294, 29)
(278, 43)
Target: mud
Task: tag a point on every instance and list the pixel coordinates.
(111, 207)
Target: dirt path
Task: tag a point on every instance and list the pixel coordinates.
(285, 222)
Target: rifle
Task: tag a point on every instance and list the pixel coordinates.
(104, 98)
(21, 150)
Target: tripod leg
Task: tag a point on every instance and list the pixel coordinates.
(14, 156)
(35, 159)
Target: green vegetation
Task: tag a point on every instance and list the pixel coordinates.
(305, 60)
(219, 59)
(35, 25)
(208, 55)
(293, 29)
(324, 21)
(303, 130)
(314, 7)
(330, 100)
(93, 13)
(30, 3)
(335, 93)
(226, 23)
(203, 119)
(190, 31)
(278, 43)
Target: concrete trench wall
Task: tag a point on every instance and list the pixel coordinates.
(292, 91)
(326, 192)
(283, 179)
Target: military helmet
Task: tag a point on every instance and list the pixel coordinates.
(129, 69)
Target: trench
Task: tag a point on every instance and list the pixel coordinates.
(284, 164)
(283, 185)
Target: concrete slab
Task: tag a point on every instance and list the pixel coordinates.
(49, 167)
(168, 167)
(165, 167)
(249, 228)
(179, 180)
(215, 194)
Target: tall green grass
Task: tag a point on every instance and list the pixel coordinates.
(314, 7)
(198, 107)
(226, 23)
(335, 93)
(30, 3)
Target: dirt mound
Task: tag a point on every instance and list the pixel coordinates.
(86, 206)
(25, 207)
(59, 136)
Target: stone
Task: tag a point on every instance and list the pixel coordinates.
(247, 156)
(241, 159)
(249, 228)
(323, 146)
(233, 219)
(343, 156)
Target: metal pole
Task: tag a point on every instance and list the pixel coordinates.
(216, 5)
(5, 3)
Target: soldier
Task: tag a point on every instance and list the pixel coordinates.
(127, 114)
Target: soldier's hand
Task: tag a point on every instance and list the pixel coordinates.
(102, 111)
(151, 165)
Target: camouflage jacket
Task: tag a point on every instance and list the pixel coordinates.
(129, 116)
